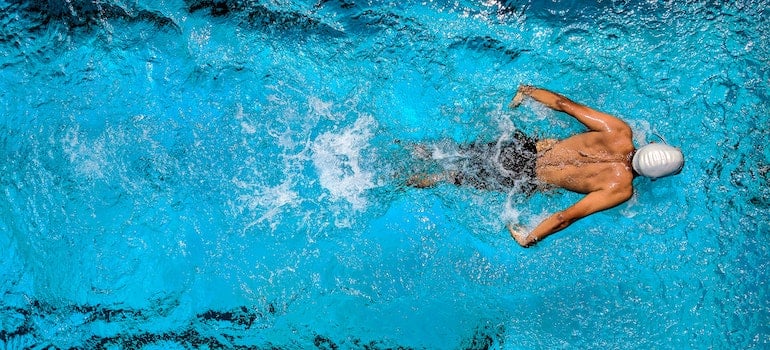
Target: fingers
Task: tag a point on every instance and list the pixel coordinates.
(516, 101)
(523, 91)
(520, 234)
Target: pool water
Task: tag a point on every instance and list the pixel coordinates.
(229, 174)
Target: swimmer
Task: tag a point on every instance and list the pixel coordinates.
(600, 163)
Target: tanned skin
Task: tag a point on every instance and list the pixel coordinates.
(596, 163)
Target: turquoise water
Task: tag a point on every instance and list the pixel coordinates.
(223, 174)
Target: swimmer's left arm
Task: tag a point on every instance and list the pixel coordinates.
(591, 203)
(591, 118)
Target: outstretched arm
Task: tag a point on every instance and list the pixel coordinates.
(592, 119)
(591, 203)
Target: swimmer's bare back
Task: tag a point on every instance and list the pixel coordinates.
(596, 163)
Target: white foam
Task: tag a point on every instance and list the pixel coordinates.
(630, 208)
(321, 108)
(504, 124)
(337, 159)
(444, 152)
(87, 158)
(247, 126)
(517, 211)
(268, 200)
(541, 112)
(511, 214)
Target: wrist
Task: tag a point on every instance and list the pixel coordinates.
(527, 89)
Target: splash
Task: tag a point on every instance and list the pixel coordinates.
(88, 159)
(271, 201)
(337, 156)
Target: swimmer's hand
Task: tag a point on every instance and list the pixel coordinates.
(522, 92)
(521, 235)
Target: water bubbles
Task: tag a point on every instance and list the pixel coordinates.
(322, 109)
(337, 157)
(87, 158)
(246, 162)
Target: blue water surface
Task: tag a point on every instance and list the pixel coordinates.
(184, 174)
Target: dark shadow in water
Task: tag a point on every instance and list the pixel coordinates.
(85, 13)
(212, 329)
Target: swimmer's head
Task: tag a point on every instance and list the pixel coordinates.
(657, 160)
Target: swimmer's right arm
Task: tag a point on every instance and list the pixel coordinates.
(591, 203)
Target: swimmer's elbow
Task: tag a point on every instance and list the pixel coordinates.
(562, 103)
(563, 220)
(623, 194)
(627, 194)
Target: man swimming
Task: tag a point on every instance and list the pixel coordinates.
(600, 163)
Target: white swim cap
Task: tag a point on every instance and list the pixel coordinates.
(657, 160)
